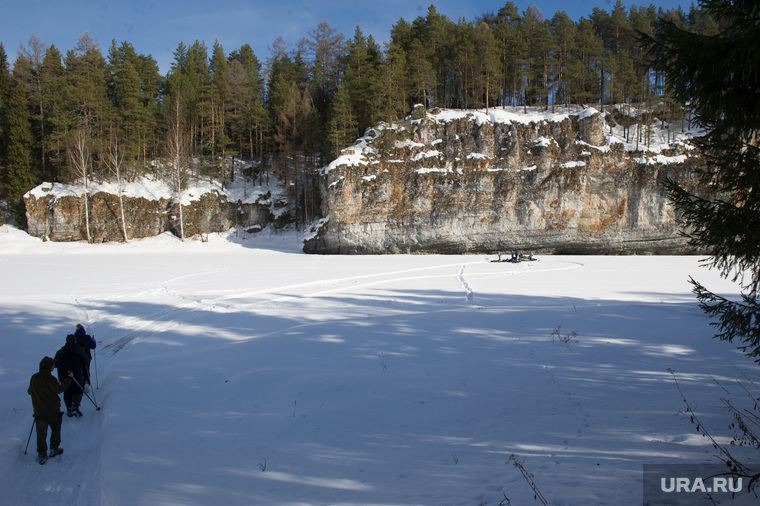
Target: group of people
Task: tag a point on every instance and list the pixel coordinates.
(514, 257)
(73, 364)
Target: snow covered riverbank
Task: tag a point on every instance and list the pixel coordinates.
(242, 371)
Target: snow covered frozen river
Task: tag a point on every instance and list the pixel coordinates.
(246, 372)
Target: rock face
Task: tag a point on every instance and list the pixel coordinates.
(448, 181)
(57, 212)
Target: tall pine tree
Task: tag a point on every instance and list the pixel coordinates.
(719, 75)
(5, 82)
(19, 175)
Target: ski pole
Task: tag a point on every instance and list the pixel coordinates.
(85, 393)
(93, 395)
(95, 358)
(34, 420)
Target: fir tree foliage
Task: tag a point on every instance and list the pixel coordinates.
(19, 174)
(5, 82)
(718, 74)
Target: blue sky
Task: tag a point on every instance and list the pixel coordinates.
(156, 27)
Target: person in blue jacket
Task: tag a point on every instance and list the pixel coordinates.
(87, 343)
(85, 340)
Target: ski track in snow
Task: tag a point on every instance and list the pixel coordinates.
(168, 318)
(467, 290)
(177, 314)
(148, 323)
(75, 477)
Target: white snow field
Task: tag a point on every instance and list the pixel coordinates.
(241, 371)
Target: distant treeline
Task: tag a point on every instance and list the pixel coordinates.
(85, 114)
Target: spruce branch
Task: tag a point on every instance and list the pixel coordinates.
(735, 319)
(734, 465)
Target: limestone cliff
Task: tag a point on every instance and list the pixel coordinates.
(57, 212)
(446, 181)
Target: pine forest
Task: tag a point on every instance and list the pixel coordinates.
(98, 113)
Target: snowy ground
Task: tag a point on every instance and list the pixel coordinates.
(246, 372)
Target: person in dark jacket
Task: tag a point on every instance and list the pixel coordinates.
(44, 389)
(72, 358)
(87, 343)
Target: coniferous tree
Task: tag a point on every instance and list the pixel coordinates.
(28, 71)
(361, 81)
(189, 82)
(150, 96)
(719, 75)
(219, 75)
(5, 79)
(421, 77)
(19, 175)
(324, 47)
(487, 63)
(462, 82)
(256, 116)
(133, 88)
(124, 93)
(291, 107)
(57, 114)
(5, 82)
(563, 31)
(88, 103)
(191, 77)
(430, 34)
(512, 46)
(587, 66)
(238, 99)
(342, 129)
(394, 86)
(537, 64)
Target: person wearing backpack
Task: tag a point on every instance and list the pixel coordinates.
(72, 358)
(87, 343)
(44, 389)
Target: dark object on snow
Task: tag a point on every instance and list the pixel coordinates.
(516, 257)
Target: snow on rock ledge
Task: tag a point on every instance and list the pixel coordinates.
(56, 211)
(449, 181)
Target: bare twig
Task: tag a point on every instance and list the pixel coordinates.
(733, 464)
(557, 335)
(537, 495)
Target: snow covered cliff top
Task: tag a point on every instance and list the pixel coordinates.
(659, 139)
(150, 188)
(509, 114)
